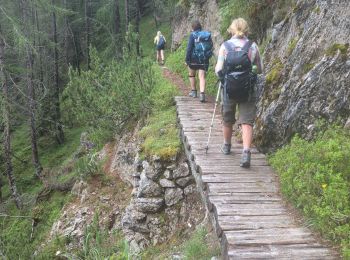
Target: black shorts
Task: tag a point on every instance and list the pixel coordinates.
(160, 48)
(193, 66)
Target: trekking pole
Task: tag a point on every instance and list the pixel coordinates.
(212, 119)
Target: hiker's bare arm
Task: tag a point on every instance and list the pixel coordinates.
(258, 61)
(221, 58)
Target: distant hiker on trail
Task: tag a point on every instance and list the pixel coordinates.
(160, 41)
(238, 63)
(199, 50)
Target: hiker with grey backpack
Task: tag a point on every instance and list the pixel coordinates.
(237, 67)
(199, 51)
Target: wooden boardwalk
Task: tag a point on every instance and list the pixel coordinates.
(246, 209)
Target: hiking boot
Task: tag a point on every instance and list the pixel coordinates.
(202, 97)
(226, 149)
(193, 93)
(245, 160)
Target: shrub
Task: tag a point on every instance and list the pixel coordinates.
(108, 96)
(315, 176)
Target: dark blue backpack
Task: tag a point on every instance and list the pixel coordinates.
(203, 47)
(239, 79)
(161, 42)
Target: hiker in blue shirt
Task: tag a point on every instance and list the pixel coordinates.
(160, 41)
(197, 59)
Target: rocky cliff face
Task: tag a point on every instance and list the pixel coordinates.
(307, 72)
(206, 11)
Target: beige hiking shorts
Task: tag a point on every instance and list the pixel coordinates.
(246, 111)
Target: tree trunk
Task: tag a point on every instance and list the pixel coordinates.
(126, 3)
(117, 27)
(88, 28)
(138, 19)
(7, 137)
(59, 135)
(30, 90)
(66, 34)
(155, 14)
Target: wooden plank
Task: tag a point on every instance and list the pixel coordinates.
(237, 178)
(249, 214)
(244, 198)
(273, 236)
(231, 223)
(299, 251)
(271, 209)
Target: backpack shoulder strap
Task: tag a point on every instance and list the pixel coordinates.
(247, 46)
(228, 46)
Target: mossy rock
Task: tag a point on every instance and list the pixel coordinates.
(333, 49)
(274, 75)
(292, 44)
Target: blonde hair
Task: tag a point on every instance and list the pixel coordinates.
(239, 27)
(156, 39)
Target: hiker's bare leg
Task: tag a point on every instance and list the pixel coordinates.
(162, 55)
(201, 76)
(192, 77)
(158, 55)
(227, 131)
(247, 135)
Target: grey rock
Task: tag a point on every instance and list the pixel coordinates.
(166, 183)
(168, 174)
(347, 124)
(134, 248)
(151, 173)
(183, 182)
(149, 205)
(181, 171)
(171, 167)
(78, 188)
(148, 188)
(190, 189)
(173, 196)
(313, 84)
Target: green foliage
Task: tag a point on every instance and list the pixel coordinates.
(108, 96)
(15, 232)
(307, 67)
(160, 133)
(197, 246)
(98, 243)
(257, 13)
(292, 44)
(317, 10)
(332, 50)
(315, 177)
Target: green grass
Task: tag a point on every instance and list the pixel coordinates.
(315, 177)
(292, 44)
(16, 231)
(160, 133)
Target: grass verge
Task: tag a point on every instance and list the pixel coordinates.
(160, 133)
(315, 177)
